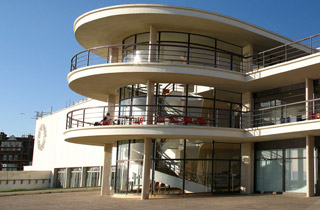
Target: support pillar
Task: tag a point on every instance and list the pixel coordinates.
(111, 106)
(247, 62)
(146, 169)
(105, 185)
(247, 108)
(309, 96)
(153, 42)
(310, 165)
(247, 171)
(150, 102)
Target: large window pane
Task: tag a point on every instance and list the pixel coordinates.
(226, 151)
(199, 149)
(135, 176)
(269, 175)
(169, 148)
(296, 175)
(75, 177)
(221, 176)
(122, 177)
(123, 150)
(198, 176)
(136, 150)
(168, 177)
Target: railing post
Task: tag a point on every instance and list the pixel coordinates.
(88, 57)
(310, 45)
(262, 59)
(108, 54)
(84, 114)
(231, 62)
(70, 122)
(285, 53)
(76, 62)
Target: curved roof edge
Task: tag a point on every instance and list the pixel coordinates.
(246, 25)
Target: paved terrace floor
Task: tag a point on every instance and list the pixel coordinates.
(92, 200)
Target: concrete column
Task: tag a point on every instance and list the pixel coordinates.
(247, 51)
(83, 177)
(309, 96)
(114, 55)
(247, 106)
(105, 185)
(247, 171)
(153, 41)
(146, 169)
(310, 165)
(111, 106)
(150, 102)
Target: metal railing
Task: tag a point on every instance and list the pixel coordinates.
(287, 52)
(158, 53)
(286, 113)
(161, 115)
(168, 115)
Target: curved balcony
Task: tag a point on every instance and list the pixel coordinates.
(153, 115)
(158, 53)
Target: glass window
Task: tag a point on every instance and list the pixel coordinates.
(4, 157)
(226, 151)
(199, 149)
(198, 175)
(61, 175)
(169, 148)
(75, 177)
(296, 153)
(269, 154)
(123, 150)
(136, 149)
(269, 175)
(296, 175)
(122, 177)
(93, 177)
(168, 177)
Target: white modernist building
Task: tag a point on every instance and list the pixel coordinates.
(190, 101)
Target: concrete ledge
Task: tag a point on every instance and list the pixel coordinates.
(62, 190)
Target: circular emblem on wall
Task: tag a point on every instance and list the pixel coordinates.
(42, 135)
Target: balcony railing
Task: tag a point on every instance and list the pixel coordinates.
(287, 52)
(197, 116)
(159, 53)
(176, 53)
(160, 114)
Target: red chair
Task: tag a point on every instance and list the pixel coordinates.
(159, 119)
(187, 120)
(174, 120)
(201, 121)
(316, 116)
(138, 120)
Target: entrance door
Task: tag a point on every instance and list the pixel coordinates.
(226, 176)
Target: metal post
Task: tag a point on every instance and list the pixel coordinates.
(88, 57)
(84, 113)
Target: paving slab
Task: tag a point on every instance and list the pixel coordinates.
(93, 200)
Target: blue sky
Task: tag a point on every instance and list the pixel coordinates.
(37, 43)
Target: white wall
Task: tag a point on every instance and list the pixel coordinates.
(57, 153)
(13, 180)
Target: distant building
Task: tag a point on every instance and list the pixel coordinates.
(15, 152)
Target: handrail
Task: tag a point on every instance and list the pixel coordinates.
(165, 53)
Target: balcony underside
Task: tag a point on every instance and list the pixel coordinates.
(100, 135)
(100, 80)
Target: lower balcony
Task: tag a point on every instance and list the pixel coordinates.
(97, 125)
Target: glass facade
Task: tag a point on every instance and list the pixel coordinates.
(280, 105)
(93, 177)
(75, 177)
(186, 48)
(202, 105)
(61, 178)
(180, 166)
(281, 166)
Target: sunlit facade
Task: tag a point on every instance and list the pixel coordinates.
(192, 102)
